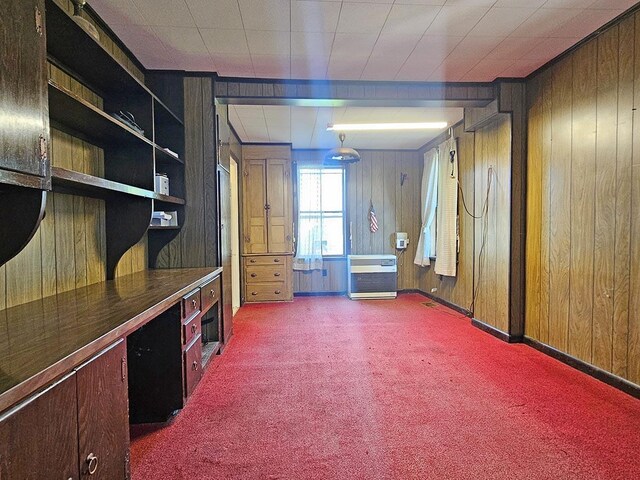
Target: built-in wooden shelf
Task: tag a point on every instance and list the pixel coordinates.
(70, 47)
(168, 199)
(74, 115)
(165, 158)
(164, 227)
(209, 350)
(73, 182)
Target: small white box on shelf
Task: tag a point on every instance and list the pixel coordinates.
(160, 219)
(162, 183)
(173, 221)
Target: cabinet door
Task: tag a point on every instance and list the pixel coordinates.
(23, 87)
(254, 197)
(39, 437)
(279, 196)
(103, 415)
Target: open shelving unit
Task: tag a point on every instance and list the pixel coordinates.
(131, 158)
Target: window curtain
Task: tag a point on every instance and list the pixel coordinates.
(309, 241)
(447, 239)
(429, 194)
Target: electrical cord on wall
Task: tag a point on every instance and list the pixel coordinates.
(484, 215)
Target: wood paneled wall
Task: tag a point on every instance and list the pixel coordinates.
(69, 249)
(583, 226)
(196, 245)
(375, 178)
(484, 254)
(458, 290)
(492, 249)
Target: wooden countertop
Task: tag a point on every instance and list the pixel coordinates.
(44, 339)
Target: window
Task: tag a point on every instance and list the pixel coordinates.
(321, 210)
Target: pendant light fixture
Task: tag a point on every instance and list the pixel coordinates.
(342, 154)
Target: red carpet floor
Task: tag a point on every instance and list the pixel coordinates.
(327, 388)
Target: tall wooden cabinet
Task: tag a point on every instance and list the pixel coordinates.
(267, 222)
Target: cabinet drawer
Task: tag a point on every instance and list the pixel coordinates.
(190, 304)
(192, 366)
(191, 328)
(210, 293)
(266, 292)
(265, 260)
(265, 273)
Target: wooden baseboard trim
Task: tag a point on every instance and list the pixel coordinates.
(602, 375)
(441, 301)
(319, 294)
(505, 337)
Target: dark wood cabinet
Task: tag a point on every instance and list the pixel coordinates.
(39, 437)
(103, 415)
(192, 366)
(76, 428)
(24, 124)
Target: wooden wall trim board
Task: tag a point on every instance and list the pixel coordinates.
(275, 91)
(585, 367)
(440, 300)
(491, 330)
(582, 243)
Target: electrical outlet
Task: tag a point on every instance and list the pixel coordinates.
(324, 272)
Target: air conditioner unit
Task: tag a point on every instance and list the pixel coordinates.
(372, 276)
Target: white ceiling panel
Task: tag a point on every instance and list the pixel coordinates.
(265, 14)
(501, 21)
(231, 42)
(310, 16)
(362, 17)
(409, 19)
(269, 42)
(306, 127)
(166, 13)
(224, 14)
(443, 40)
(456, 20)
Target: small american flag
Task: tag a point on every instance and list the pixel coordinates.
(373, 221)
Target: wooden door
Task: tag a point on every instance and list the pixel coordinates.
(39, 437)
(224, 188)
(103, 415)
(279, 200)
(254, 206)
(23, 87)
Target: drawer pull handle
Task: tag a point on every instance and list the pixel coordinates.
(194, 303)
(92, 463)
(254, 275)
(254, 293)
(253, 260)
(277, 274)
(277, 260)
(194, 366)
(277, 292)
(212, 292)
(194, 327)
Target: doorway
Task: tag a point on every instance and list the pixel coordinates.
(235, 236)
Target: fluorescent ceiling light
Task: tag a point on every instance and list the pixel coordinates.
(344, 127)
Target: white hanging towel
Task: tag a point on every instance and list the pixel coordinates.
(429, 195)
(447, 238)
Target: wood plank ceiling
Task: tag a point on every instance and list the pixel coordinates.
(414, 40)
